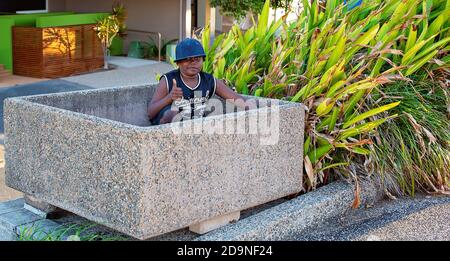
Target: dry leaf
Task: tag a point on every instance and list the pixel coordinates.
(357, 199)
(429, 135)
(309, 171)
(389, 195)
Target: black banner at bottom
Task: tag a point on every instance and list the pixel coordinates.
(223, 250)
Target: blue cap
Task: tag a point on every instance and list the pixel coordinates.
(189, 48)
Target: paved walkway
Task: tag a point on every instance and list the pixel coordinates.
(424, 218)
(12, 80)
(129, 62)
(141, 75)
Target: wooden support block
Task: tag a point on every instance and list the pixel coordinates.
(214, 223)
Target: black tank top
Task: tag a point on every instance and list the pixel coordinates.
(193, 103)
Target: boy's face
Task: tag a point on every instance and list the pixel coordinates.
(191, 66)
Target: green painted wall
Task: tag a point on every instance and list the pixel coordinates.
(6, 23)
(30, 19)
(74, 19)
(6, 43)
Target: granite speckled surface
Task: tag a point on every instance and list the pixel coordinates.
(93, 153)
(292, 218)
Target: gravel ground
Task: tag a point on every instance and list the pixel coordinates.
(424, 218)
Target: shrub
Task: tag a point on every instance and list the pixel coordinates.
(335, 61)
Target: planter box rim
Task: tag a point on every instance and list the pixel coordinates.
(28, 100)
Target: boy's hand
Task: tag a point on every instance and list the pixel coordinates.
(168, 116)
(176, 93)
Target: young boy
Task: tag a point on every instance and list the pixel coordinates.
(187, 88)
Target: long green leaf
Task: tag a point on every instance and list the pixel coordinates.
(363, 40)
(363, 128)
(433, 47)
(316, 154)
(263, 20)
(325, 107)
(370, 113)
(409, 56)
(336, 54)
(420, 63)
(333, 119)
(334, 165)
(411, 37)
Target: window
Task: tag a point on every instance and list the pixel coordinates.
(23, 6)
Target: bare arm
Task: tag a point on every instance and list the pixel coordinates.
(228, 94)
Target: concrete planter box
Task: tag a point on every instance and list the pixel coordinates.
(93, 153)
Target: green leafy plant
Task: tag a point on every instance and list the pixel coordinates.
(109, 27)
(120, 12)
(68, 232)
(334, 61)
(415, 149)
(106, 29)
(152, 47)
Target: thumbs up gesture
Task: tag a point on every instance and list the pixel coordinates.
(176, 93)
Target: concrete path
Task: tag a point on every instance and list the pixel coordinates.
(424, 218)
(141, 75)
(129, 62)
(12, 80)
